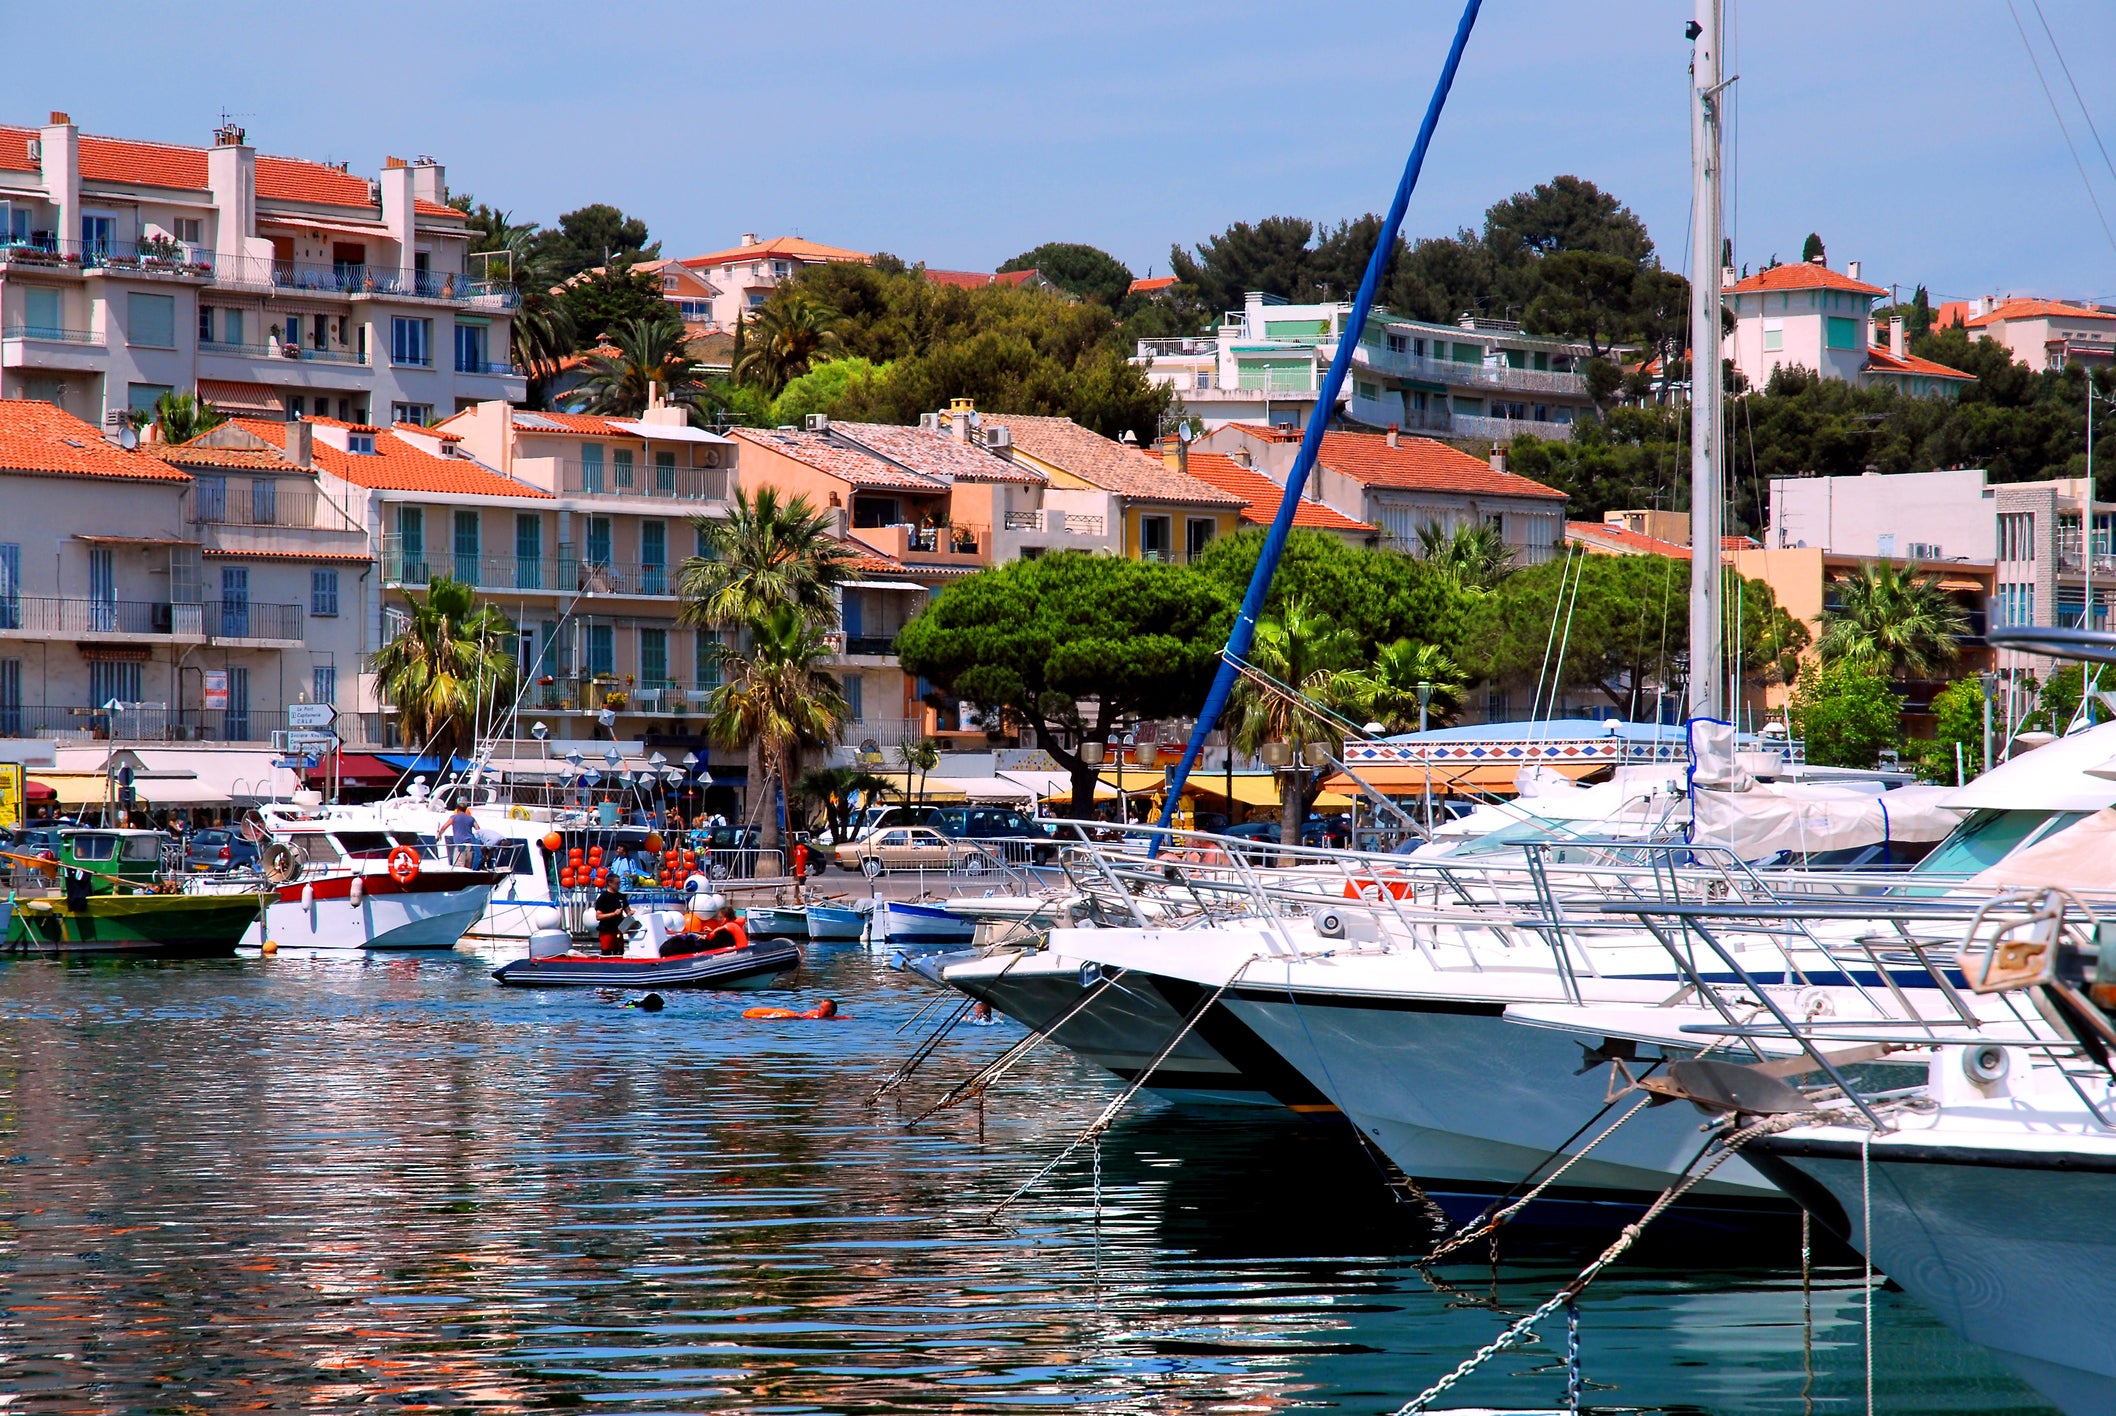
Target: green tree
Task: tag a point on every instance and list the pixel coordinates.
(1474, 555)
(179, 417)
(1086, 272)
(1034, 639)
(821, 389)
(1389, 691)
(1892, 622)
(1381, 596)
(447, 667)
(835, 791)
(599, 301)
(775, 699)
(765, 555)
(1271, 255)
(918, 758)
(787, 336)
(1847, 715)
(1958, 726)
(595, 235)
(1811, 249)
(652, 366)
(1314, 667)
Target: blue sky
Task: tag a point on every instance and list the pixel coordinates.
(1910, 133)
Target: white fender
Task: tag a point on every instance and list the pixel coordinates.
(308, 898)
(359, 892)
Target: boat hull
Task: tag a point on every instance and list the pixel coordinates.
(756, 965)
(921, 927)
(770, 922)
(148, 926)
(2013, 1249)
(433, 911)
(831, 922)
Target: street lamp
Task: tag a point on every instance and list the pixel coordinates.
(1425, 701)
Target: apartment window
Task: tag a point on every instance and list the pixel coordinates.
(420, 414)
(109, 681)
(1773, 335)
(190, 230)
(591, 467)
(235, 723)
(235, 601)
(623, 457)
(1197, 535)
(466, 548)
(323, 594)
(319, 331)
(598, 540)
(470, 349)
(665, 473)
(411, 342)
(205, 324)
(528, 552)
(297, 407)
(10, 698)
(150, 320)
(1156, 538)
(141, 398)
(10, 588)
(602, 650)
(323, 683)
(2016, 536)
(98, 235)
(705, 673)
(264, 501)
(653, 658)
(653, 558)
(855, 704)
(40, 312)
(411, 535)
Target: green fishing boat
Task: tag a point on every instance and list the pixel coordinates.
(113, 901)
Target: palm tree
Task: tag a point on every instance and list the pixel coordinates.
(835, 789)
(652, 367)
(775, 698)
(543, 338)
(764, 555)
(1892, 622)
(1314, 665)
(179, 417)
(1388, 692)
(921, 757)
(1473, 556)
(784, 340)
(447, 667)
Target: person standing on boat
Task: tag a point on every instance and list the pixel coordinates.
(611, 907)
(463, 835)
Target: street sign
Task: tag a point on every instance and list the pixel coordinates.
(310, 715)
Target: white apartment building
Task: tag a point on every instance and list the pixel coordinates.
(271, 286)
(742, 277)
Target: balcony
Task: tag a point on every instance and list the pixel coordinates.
(870, 645)
(591, 693)
(158, 722)
(1462, 374)
(354, 281)
(277, 350)
(1058, 523)
(69, 617)
(932, 545)
(638, 481)
(562, 574)
(253, 623)
(1501, 429)
(1184, 347)
(477, 366)
(158, 258)
(45, 346)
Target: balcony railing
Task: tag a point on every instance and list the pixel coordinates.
(251, 619)
(647, 480)
(475, 366)
(591, 693)
(64, 615)
(1463, 425)
(157, 722)
(152, 257)
(53, 334)
(1184, 346)
(563, 573)
(277, 350)
(278, 502)
(881, 644)
(1460, 373)
(351, 279)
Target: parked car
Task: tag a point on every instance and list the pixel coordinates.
(1313, 832)
(217, 849)
(905, 848)
(1023, 837)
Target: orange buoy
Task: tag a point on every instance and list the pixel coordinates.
(565, 879)
(653, 841)
(553, 842)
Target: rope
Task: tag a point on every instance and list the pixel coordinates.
(980, 1081)
(1100, 1124)
(1571, 1291)
(1489, 1223)
(1807, 1316)
(1866, 1228)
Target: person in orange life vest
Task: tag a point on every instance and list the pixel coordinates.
(725, 929)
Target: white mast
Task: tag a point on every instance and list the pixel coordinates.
(1707, 670)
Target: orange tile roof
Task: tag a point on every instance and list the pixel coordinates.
(538, 420)
(965, 279)
(1619, 540)
(1803, 275)
(1416, 464)
(786, 247)
(1879, 360)
(1147, 285)
(198, 454)
(869, 561)
(41, 439)
(425, 431)
(842, 460)
(936, 454)
(182, 167)
(326, 557)
(1261, 496)
(2029, 309)
(424, 207)
(397, 466)
(1104, 462)
(1017, 277)
(1950, 312)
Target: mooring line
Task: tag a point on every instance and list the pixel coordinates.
(980, 1080)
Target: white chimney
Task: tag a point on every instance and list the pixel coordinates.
(301, 443)
(1393, 435)
(1896, 343)
(59, 158)
(1498, 457)
(749, 238)
(1851, 268)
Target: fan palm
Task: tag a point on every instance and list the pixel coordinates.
(652, 366)
(774, 695)
(836, 790)
(179, 417)
(785, 339)
(1474, 555)
(1388, 692)
(543, 338)
(449, 665)
(764, 555)
(1893, 622)
(1312, 662)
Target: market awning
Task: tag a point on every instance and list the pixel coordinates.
(1467, 778)
(1968, 585)
(34, 790)
(1255, 789)
(429, 765)
(885, 585)
(68, 788)
(229, 396)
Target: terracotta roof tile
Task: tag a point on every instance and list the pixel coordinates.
(1416, 464)
(964, 279)
(2026, 309)
(199, 454)
(1104, 462)
(784, 247)
(182, 167)
(397, 466)
(1261, 496)
(589, 424)
(1803, 275)
(937, 454)
(1618, 540)
(841, 460)
(1017, 277)
(1879, 360)
(39, 438)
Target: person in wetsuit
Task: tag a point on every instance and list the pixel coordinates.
(611, 907)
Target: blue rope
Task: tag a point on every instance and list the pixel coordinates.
(1243, 634)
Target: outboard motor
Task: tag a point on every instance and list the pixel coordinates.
(547, 935)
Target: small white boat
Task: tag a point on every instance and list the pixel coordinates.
(836, 922)
(340, 878)
(900, 925)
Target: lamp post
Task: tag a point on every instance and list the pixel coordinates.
(1988, 681)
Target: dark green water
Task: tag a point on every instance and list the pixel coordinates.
(280, 1185)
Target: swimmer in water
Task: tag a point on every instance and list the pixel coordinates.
(825, 1009)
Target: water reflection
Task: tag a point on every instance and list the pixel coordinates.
(259, 1185)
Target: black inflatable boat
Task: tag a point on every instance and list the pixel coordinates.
(753, 965)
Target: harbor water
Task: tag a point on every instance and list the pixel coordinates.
(280, 1184)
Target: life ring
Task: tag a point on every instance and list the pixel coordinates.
(403, 864)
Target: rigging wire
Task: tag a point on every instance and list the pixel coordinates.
(2056, 113)
(2058, 50)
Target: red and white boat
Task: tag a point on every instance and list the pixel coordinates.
(341, 878)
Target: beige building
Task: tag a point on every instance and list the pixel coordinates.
(743, 276)
(2048, 334)
(1107, 495)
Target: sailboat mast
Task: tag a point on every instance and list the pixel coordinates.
(1707, 670)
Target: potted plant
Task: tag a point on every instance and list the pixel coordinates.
(616, 699)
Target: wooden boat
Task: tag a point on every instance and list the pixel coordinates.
(117, 906)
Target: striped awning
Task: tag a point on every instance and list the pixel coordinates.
(228, 396)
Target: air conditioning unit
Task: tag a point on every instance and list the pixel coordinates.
(816, 422)
(998, 438)
(929, 422)
(1925, 551)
